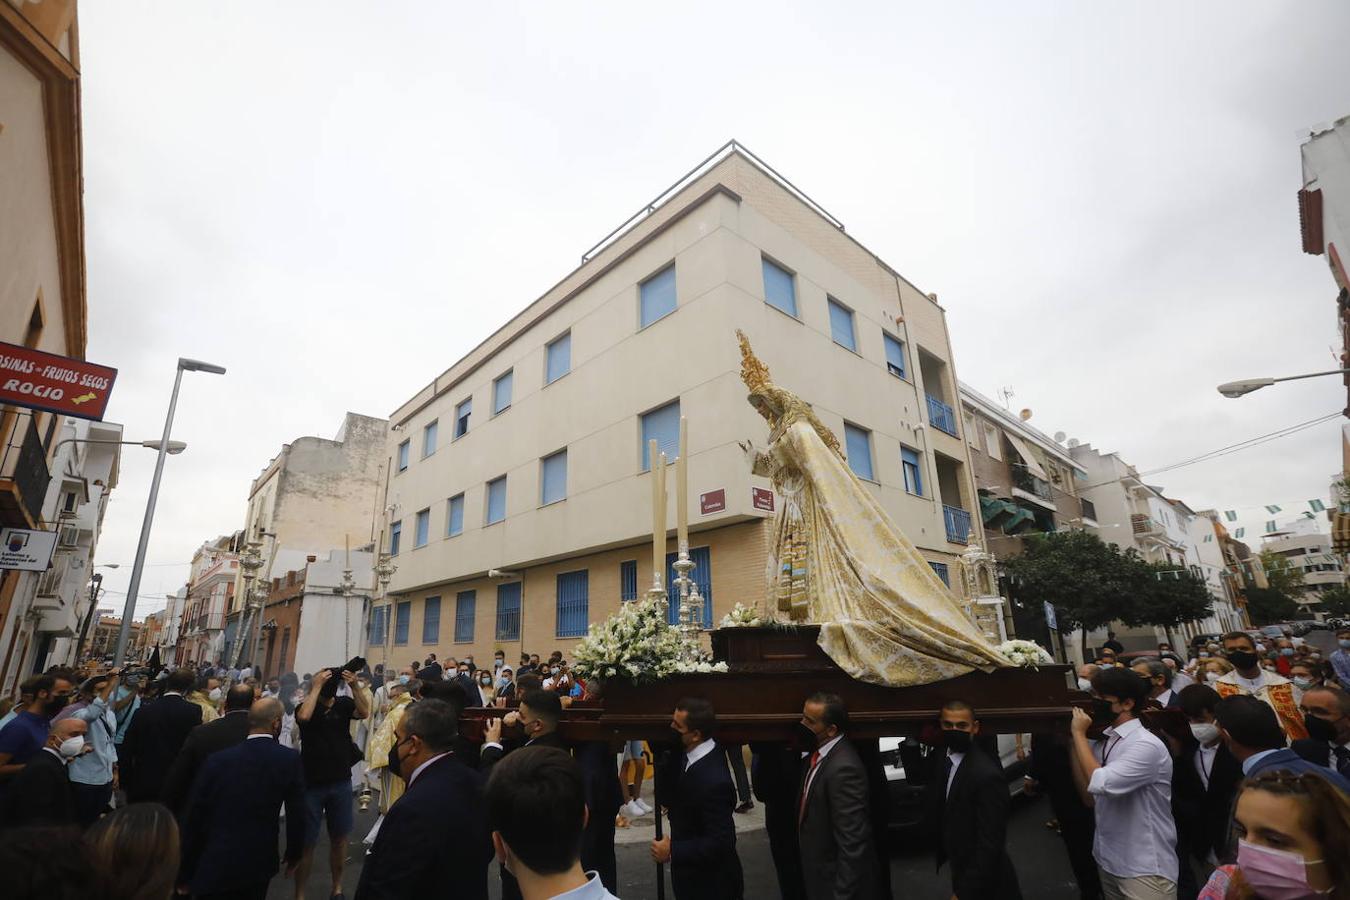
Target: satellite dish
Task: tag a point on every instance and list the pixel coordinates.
(1025, 414)
(1073, 442)
(1059, 437)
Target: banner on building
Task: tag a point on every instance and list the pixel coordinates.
(59, 384)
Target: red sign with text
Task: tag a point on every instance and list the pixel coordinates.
(711, 502)
(59, 384)
(762, 498)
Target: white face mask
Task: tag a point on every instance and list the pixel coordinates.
(72, 747)
(1211, 677)
(1205, 732)
(215, 694)
(1084, 684)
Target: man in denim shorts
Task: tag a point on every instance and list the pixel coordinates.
(326, 755)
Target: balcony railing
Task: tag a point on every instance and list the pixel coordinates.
(958, 524)
(941, 416)
(1024, 480)
(1142, 524)
(25, 463)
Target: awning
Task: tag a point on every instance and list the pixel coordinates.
(995, 512)
(1021, 519)
(1025, 452)
(1340, 532)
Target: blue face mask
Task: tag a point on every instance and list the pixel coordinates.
(1286, 651)
(403, 679)
(1345, 645)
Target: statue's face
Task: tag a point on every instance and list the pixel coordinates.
(765, 407)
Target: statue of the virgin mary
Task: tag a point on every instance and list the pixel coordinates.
(838, 560)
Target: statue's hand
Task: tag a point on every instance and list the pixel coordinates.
(747, 447)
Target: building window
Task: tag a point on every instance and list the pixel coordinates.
(663, 424)
(508, 612)
(403, 455)
(429, 440)
(421, 528)
(558, 358)
(972, 433)
(912, 465)
(431, 620)
(656, 296)
(496, 500)
(462, 413)
(395, 537)
(780, 290)
(628, 587)
(702, 575)
(941, 570)
(895, 355)
(992, 445)
(573, 604)
(282, 665)
(455, 516)
(402, 616)
(858, 443)
(553, 478)
(841, 325)
(379, 626)
(501, 392)
(465, 604)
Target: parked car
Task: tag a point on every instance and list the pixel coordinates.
(907, 799)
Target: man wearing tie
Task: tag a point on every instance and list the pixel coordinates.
(966, 807)
(834, 830)
(694, 785)
(1326, 713)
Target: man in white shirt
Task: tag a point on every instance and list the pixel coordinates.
(1127, 779)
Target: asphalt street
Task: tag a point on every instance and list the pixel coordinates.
(1042, 867)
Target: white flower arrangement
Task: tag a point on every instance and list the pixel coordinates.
(638, 645)
(741, 617)
(1025, 653)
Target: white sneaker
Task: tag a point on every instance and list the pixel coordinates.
(643, 805)
(632, 809)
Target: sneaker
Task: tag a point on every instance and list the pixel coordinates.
(642, 804)
(745, 807)
(632, 810)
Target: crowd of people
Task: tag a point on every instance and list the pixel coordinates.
(209, 781)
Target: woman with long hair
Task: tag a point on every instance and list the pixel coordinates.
(1293, 835)
(135, 852)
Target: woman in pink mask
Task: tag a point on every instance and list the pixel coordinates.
(1293, 837)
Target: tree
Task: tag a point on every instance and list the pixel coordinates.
(1336, 602)
(1088, 582)
(1168, 597)
(1280, 575)
(1267, 606)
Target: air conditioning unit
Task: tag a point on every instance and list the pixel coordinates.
(69, 536)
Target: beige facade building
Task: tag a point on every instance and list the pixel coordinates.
(1313, 557)
(518, 501)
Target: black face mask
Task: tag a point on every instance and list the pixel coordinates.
(803, 738)
(57, 703)
(1320, 729)
(395, 764)
(1242, 659)
(957, 741)
(1102, 713)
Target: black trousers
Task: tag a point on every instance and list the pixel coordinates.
(597, 850)
(91, 801)
(252, 892)
(736, 757)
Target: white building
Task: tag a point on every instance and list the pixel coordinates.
(1312, 556)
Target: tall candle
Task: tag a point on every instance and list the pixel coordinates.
(661, 517)
(658, 514)
(682, 486)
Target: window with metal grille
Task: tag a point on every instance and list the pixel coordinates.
(379, 623)
(941, 570)
(508, 612)
(402, 618)
(431, 620)
(628, 582)
(702, 575)
(466, 603)
(573, 604)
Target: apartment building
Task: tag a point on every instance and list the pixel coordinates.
(210, 589)
(103, 642)
(1313, 557)
(518, 501)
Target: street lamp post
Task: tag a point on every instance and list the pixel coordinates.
(1235, 389)
(129, 610)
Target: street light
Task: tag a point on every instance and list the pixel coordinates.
(164, 446)
(1234, 389)
(175, 447)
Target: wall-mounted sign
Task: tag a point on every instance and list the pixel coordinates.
(30, 551)
(711, 502)
(762, 498)
(59, 384)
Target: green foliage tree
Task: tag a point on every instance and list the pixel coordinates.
(1336, 602)
(1281, 576)
(1168, 596)
(1267, 606)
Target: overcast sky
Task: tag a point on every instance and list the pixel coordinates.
(337, 200)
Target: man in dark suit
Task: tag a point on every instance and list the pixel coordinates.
(1255, 737)
(155, 736)
(1326, 713)
(1159, 678)
(434, 838)
(1205, 777)
(230, 823)
(431, 670)
(204, 740)
(776, 773)
(40, 794)
(694, 785)
(966, 807)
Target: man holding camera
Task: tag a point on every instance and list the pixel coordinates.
(327, 755)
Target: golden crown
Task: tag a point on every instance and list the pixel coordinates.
(753, 372)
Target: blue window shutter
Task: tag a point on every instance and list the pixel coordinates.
(496, 510)
(553, 478)
(462, 413)
(657, 296)
(455, 517)
(779, 290)
(941, 570)
(403, 455)
(501, 392)
(508, 611)
(465, 606)
(841, 326)
(858, 442)
(895, 356)
(628, 586)
(559, 361)
(573, 613)
(913, 467)
(429, 439)
(664, 425)
(378, 625)
(402, 616)
(395, 537)
(701, 557)
(431, 620)
(423, 528)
